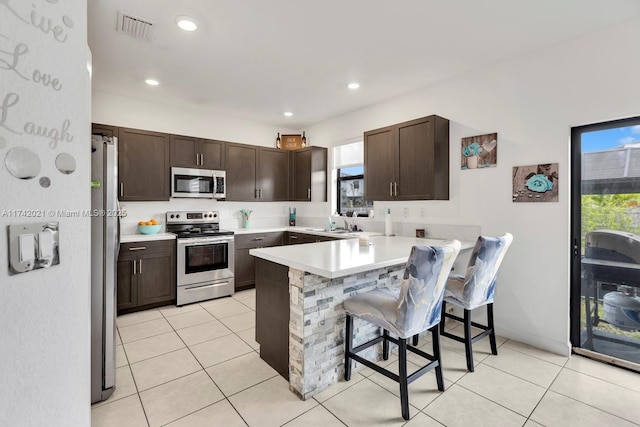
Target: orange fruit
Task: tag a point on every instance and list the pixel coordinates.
(154, 222)
(141, 223)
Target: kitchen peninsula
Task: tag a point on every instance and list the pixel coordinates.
(299, 302)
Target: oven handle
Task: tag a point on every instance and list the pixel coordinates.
(199, 287)
(200, 242)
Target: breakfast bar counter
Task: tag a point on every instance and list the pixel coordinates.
(300, 290)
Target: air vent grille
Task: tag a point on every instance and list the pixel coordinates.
(135, 27)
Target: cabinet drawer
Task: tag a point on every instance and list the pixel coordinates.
(139, 248)
(256, 240)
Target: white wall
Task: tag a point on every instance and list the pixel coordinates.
(116, 110)
(531, 102)
(45, 314)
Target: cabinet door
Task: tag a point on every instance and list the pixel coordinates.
(302, 175)
(155, 273)
(106, 130)
(184, 151)
(273, 175)
(245, 272)
(143, 165)
(241, 163)
(212, 154)
(126, 282)
(379, 161)
(415, 160)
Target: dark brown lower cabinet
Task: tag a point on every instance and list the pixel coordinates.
(146, 274)
(272, 314)
(245, 266)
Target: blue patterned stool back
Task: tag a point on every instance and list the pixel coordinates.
(423, 286)
(477, 287)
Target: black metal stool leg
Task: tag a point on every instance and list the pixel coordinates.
(414, 342)
(443, 317)
(348, 346)
(385, 345)
(402, 374)
(467, 339)
(435, 338)
(492, 335)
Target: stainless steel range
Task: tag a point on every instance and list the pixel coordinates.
(205, 256)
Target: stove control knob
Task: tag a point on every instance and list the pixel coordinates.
(178, 216)
(172, 215)
(215, 215)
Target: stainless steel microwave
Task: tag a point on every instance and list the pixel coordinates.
(198, 183)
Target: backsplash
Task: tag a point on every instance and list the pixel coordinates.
(276, 214)
(263, 215)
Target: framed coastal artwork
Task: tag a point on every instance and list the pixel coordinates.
(480, 151)
(535, 183)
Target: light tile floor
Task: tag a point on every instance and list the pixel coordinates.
(199, 365)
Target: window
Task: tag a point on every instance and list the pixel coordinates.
(351, 192)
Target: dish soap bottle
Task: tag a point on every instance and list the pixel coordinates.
(330, 225)
(387, 223)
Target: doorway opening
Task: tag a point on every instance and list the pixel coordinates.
(605, 233)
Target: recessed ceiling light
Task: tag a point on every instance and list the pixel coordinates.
(186, 23)
(152, 82)
(353, 85)
(288, 113)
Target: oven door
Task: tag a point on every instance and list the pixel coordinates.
(192, 183)
(205, 259)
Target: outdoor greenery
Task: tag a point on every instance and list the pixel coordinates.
(611, 212)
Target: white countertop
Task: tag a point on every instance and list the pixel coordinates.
(139, 237)
(307, 230)
(341, 258)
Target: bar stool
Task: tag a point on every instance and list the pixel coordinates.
(475, 289)
(412, 308)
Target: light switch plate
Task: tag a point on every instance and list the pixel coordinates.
(23, 235)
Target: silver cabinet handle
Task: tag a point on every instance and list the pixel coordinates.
(134, 267)
(140, 266)
(197, 159)
(138, 248)
(293, 237)
(255, 239)
(391, 188)
(121, 189)
(309, 193)
(201, 159)
(395, 185)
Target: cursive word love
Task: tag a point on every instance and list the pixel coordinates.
(14, 58)
(44, 24)
(11, 64)
(55, 135)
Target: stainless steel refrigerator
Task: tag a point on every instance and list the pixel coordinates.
(105, 237)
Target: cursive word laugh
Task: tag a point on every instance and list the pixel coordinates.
(9, 101)
(54, 135)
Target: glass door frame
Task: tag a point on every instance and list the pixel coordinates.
(576, 220)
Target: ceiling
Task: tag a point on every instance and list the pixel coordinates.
(255, 59)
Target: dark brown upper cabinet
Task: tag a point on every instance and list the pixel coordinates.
(191, 152)
(408, 161)
(106, 130)
(309, 174)
(143, 165)
(273, 175)
(256, 174)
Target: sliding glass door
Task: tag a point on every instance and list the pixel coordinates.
(605, 292)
